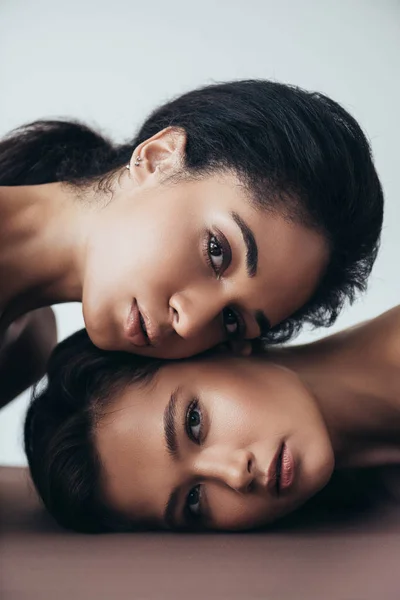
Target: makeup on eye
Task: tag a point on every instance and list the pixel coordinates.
(218, 252)
(233, 324)
(194, 431)
(192, 509)
(194, 422)
(184, 418)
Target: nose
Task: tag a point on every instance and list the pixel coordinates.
(191, 313)
(234, 468)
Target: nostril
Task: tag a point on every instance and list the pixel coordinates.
(249, 465)
(174, 315)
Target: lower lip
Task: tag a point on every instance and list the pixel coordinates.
(287, 469)
(133, 328)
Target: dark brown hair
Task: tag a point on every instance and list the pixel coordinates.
(60, 424)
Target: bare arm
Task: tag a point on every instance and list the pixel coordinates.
(23, 358)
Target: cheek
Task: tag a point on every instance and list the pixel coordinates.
(125, 256)
(233, 511)
(163, 250)
(111, 253)
(151, 247)
(231, 422)
(241, 412)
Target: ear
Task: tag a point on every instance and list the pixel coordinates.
(159, 156)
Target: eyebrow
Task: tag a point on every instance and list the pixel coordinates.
(170, 436)
(172, 445)
(250, 242)
(263, 322)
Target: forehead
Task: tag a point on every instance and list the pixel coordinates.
(130, 443)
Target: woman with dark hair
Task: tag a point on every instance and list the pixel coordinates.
(239, 211)
(116, 442)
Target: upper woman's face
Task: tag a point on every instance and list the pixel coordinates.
(174, 269)
(204, 443)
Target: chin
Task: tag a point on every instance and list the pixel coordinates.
(98, 337)
(102, 331)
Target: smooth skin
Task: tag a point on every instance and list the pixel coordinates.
(192, 449)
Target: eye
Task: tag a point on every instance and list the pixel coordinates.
(215, 253)
(193, 501)
(194, 421)
(231, 321)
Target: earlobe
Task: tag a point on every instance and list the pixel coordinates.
(159, 156)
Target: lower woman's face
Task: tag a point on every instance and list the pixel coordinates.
(221, 444)
(173, 270)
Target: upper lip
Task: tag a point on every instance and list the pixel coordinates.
(152, 333)
(148, 329)
(272, 475)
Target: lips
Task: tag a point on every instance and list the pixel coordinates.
(281, 471)
(135, 329)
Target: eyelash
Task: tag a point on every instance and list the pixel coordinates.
(193, 406)
(190, 516)
(222, 242)
(226, 253)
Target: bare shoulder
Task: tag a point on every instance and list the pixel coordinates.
(26, 348)
(384, 333)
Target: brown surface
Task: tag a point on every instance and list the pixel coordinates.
(358, 561)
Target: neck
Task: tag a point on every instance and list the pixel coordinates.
(357, 388)
(41, 245)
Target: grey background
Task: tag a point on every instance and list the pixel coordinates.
(110, 62)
